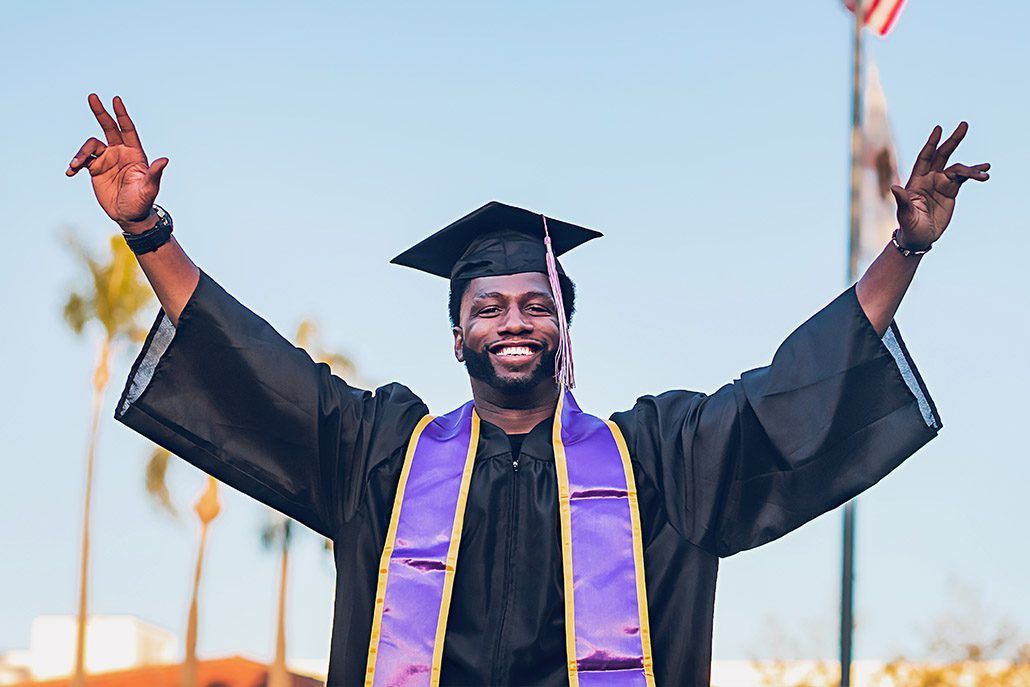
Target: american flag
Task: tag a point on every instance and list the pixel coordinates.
(880, 15)
(879, 168)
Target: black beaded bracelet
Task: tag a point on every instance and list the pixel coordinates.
(907, 251)
(153, 238)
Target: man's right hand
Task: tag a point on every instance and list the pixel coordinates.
(125, 185)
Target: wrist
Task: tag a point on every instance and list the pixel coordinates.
(906, 247)
(139, 226)
(151, 239)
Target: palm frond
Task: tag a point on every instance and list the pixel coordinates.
(339, 364)
(208, 505)
(157, 488)
(76, 312)
(117, 293)
(277, 532)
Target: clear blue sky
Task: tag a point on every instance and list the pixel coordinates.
(311, 142)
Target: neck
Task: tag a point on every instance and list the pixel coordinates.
(515, 413)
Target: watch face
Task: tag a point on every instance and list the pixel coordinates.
(163, 218)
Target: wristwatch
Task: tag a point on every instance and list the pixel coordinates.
(152, 238)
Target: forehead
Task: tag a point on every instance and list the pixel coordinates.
(509, 285)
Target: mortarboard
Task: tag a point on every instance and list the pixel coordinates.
(499, 239)
(496, 239)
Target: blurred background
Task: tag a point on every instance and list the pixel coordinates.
(311, 142)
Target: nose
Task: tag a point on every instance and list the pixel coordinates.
(514, 322)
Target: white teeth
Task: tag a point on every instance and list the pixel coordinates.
(515, 351)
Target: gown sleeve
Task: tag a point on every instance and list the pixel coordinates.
(224, 391)
(838, 408)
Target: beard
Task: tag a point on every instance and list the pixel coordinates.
(481, 367)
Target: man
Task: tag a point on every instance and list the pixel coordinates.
(522, 599)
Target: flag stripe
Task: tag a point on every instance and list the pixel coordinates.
(869, 9)
(892, 18)
(878, 15)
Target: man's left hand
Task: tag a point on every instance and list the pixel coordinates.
(927, 202)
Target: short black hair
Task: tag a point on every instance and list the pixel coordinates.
(460, 286)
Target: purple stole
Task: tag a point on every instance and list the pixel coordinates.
(606, 628)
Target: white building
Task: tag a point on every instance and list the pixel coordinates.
(114, 642)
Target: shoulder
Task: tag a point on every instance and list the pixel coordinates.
(395, 404)
(388, 415)
(665, 407)
(397, 393)
(655, 420)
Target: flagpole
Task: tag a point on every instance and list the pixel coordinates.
(848, 554)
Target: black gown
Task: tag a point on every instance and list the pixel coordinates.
(836, 410)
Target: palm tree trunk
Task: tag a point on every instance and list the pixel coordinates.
(100, 378)
(189, 666)
(277, 674)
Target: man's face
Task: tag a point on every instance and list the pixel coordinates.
(508, 332)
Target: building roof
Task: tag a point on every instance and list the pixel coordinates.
(233, 671)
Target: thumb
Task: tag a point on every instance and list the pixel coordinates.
(901, 195)
(157, 167)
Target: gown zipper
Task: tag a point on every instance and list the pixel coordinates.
(509, 579)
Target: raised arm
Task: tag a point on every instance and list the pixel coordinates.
(925, 207)
(218, 386)
(126, 187)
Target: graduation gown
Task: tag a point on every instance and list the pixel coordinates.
(838, 408)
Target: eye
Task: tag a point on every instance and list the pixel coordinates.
(488, 311)
(539, 309)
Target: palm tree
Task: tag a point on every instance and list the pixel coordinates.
(114, 297)
(278, 533)
(207, 509)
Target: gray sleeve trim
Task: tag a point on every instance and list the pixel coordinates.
(158, 345)
(905, 367)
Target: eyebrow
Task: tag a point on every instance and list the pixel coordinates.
(497, 294)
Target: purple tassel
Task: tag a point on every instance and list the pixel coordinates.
(563, 373)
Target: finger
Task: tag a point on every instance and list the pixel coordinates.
(90, 150)
(904, 200)
(129, 133)
(940, 158)
(959, 173)
(964, 172)
(157, 168)
(114, 136)
(925, 157)
(982, 167)
(901, 196)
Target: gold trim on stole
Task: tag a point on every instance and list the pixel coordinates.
(452, 552)
(384, 560)
(565, 517)
(638, 552)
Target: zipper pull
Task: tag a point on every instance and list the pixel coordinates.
(515, 465)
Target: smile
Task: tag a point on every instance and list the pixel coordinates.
(515, 350)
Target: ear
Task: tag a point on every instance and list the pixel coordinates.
(459, 341)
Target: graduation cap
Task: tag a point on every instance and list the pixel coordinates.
(499, 239)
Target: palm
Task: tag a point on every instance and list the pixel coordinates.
(122, 182)
(927, 202)
(933, 204)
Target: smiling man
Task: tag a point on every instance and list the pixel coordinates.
(519, 539)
